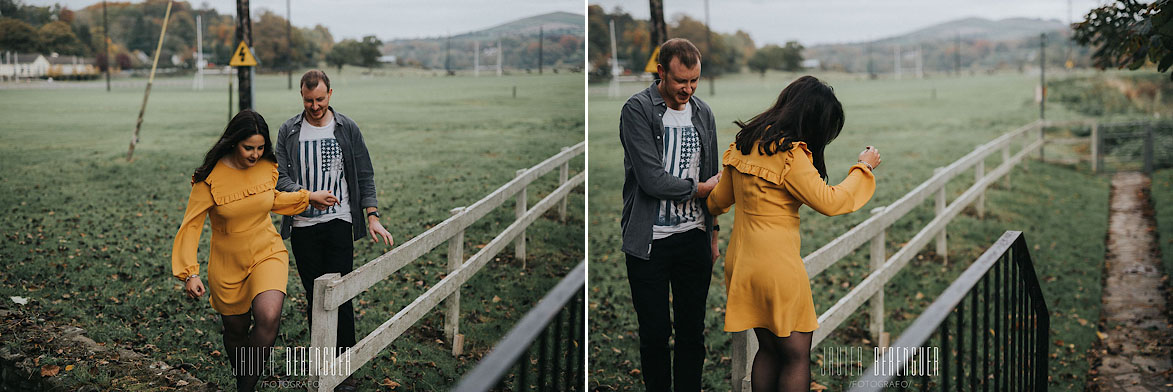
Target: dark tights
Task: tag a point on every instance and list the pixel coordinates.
(782, 364)
(265, 318)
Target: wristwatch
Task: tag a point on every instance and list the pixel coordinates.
(375, 213)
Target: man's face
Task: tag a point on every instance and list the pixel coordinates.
(316, 101)
(677, 83)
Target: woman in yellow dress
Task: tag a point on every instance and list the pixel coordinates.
(248, 265)
(774, 167)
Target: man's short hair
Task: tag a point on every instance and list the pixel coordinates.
(314, 76)
(680, 48)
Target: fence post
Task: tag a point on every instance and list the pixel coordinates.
(1042, 130)
(940, 209)
(878, 255)
(323, 334)
(1095, 147)
(1148, 149)
(979, 171)
(519, 244)
(1006, 158)
(452, 312)
(740, 359)
(563, 172)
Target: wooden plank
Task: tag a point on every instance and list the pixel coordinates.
(741, 359)
(519, 211)
(878, 255)
(323, 333)
(848, 242)
(369, 347)
(341, 290)
(833, 317)
(452, 311)
(563, 172)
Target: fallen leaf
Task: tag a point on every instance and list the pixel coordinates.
(50, 370)
(496, 299)
(180, 383)
(1101, 335)
(817, 387)
(634, 372)
(68, 367)
(215, 353)
(389, 384)
(19, 300)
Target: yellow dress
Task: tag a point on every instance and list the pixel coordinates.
(247, 255)
(765, 279)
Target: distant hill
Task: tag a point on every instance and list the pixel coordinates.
(562, 34)
(984, 45)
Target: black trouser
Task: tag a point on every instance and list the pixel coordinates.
(682, 261)
(322, 249)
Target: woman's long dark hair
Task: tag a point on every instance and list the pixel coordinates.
(806, 111)
(243, 126)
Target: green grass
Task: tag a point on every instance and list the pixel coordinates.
(1162, 195)
(917, 125)
(87, 236)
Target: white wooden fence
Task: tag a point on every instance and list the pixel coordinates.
(332, 290)
(873, 231)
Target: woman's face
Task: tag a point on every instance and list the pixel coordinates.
(249, 150)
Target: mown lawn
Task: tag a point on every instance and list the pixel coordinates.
(918, 125)
(87, 236)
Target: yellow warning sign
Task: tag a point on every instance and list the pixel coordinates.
(243, 57)
(651, 67)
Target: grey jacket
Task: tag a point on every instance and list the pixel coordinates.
(360, 176)
(645, 183)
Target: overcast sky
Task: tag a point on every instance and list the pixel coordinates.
(837, 21)
(387, 19)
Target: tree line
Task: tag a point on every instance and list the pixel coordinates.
(727, 53)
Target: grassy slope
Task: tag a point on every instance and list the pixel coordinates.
(916, 133)
(88, 236)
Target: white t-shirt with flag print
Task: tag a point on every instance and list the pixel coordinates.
(681, 157)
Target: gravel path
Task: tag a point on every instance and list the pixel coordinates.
(1138, 336)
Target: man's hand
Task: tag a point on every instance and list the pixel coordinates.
(703, 189)
(376, 231)
(716, 250)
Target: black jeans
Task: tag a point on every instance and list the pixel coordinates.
(322, 249)
(683, 262)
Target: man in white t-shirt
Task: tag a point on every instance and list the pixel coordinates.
(320, 149)
(670, 163)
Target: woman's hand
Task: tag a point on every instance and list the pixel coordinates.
(195, 287)
(870, 156)
(322, 199)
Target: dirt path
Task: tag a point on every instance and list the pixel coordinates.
(1138, 332)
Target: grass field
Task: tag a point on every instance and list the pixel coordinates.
(1162, 198)
(917, 125)
(87, 236)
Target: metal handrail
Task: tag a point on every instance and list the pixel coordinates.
(1021, 337)
(495, 366)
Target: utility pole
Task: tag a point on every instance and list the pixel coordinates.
(244, 33)
(957, 55)
(476, 58)
(1042, 76)
(659, 29)
(871, 64)
(709, 45)
(106, 34)
(896, 64)
(614, 90)
(448, 54)
(541, 42)
(198, 83)
(500, 52)
(289, 39)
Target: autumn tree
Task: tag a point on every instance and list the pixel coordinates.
(17, 36)
(58, 37)
(1129, 33)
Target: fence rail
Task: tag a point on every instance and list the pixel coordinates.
(561, 308)
(873, 231)
(1001, 346)
(332, 290)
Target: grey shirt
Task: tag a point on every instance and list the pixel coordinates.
(645, 182)
(356, 165)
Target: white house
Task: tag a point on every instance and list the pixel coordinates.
(15, 66)
(71, 66)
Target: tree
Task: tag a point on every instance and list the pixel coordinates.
(17, 36)
(1129, 33)
(342, 53)
(58, 37)
(787, 58)
(368, 51)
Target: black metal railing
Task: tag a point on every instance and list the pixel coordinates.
(553, 333)
(987, 332)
